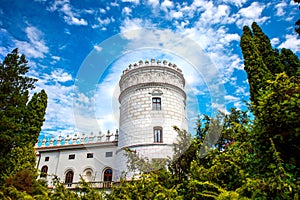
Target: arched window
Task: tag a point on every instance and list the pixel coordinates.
(156, 103)
(158, 135)
(88, 175)
(69, 178)
(107, 178)
(44, 171)
(107, 175)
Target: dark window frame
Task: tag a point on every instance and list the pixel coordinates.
(44, 171)
(158, 134)
(47, 158)
(108, 154)
(107, 175)
(71, 156)
(69, 178)
(90, 155)
(156, 103)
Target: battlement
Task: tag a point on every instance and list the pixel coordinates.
(77, 140)
(151, 63)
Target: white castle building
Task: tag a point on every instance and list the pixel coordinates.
(152, 100)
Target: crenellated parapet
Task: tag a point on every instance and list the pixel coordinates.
(141, 74)
(77, 139)
(151, 63)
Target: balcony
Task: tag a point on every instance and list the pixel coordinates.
(93, 184)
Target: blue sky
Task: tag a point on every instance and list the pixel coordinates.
(78, 50)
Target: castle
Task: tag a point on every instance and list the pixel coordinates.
(152, 100)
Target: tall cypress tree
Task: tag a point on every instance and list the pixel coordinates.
(269, 55)
(290, 62)
(255, 67)
(21, 118)
(274, 89)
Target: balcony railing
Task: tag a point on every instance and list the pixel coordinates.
(93, 184)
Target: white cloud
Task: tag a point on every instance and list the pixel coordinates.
(247, 15)
(132, 1)
(103, 11)
(114, 4)
(153, 3)
(98, 48)
(56, 58)
(59, 113)
(177, 15)
(166, 4)
(291, 42)
(103, 23)
(237, 3)
(215, 14)
(36, 46)
(131, 24)
(71, 20)
(229, 38)
(280, 8)
(71, 17)
(235, 100)
(275, 41)
(126, 10)
(61, 76)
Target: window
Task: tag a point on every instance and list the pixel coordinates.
(156, 103)
(157, 134)
(44, 171)
(87, 175)
(69, 178)
(71, 156)
(107, 178)
(109, 154)
(47, 158)
(90, 155)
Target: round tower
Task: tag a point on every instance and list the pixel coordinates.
(152, 101)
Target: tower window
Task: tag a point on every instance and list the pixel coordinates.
(157, 131)
(46, 158)
(156, 103)
(71, 156)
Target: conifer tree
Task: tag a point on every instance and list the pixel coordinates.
(21, 118)
(269, 55)
(255, 67)
(274, 90)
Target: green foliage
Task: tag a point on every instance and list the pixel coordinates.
(146, 186)
(61, 192)
(24, 185)
(139, 165)
(21, 118)
(87, 192)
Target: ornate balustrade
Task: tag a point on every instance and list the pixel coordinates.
(93, 184)
(76, 139)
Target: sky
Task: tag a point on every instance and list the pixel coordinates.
(78, 50)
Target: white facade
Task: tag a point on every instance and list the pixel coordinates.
(152, 101)
(87, 157)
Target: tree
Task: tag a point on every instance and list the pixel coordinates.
(21, 118)
(274, 90)
(297, 29)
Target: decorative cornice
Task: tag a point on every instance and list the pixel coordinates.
(151, 85)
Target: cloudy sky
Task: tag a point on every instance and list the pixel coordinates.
(78, 50)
